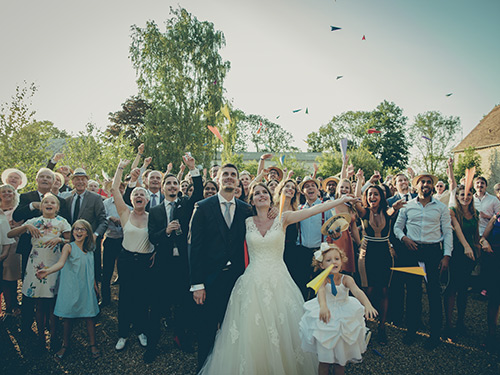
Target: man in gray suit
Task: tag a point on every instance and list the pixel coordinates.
(84, 204)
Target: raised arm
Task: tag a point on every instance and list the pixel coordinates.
(343, 171)
(291, 217)
(140, 152)
(451, 176)
(121, 207)
(262, 162)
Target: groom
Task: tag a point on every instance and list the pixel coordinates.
(217, 255)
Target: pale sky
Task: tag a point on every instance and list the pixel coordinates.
(283, 56)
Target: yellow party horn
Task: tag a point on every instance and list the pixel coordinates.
(414, 270)
(320, 279)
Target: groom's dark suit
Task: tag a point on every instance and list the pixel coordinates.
(216, 261)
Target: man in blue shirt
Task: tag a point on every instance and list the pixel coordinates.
(429, 235)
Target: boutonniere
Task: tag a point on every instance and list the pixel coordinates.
(179, 206)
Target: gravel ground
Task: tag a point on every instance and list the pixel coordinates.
(463, 356)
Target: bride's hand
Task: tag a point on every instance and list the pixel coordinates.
(272, 213)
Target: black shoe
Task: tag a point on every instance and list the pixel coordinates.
(410, 338)
(150, 355)
(432, 343)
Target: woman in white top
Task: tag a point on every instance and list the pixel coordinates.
(134, 262)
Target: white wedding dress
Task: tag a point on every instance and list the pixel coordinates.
(260, 332)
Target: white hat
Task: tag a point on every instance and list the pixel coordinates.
(7, 172)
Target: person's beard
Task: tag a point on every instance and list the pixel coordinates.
(228, 189)
(427, 193)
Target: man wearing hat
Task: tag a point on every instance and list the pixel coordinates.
(274, 173)
(429, 237)
(15, 178)
(28, 208)
(330, 188)
(310, 237)
(85, 204)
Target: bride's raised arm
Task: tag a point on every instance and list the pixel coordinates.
(291, 217)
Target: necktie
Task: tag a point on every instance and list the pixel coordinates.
(334, 289)
(170, 211)
(153, 200)
(227, 213)
(77, 208)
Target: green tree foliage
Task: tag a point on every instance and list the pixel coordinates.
(469, 159)
(330, 163)
(391, 146)
(180, 73)
(90, 150)
(129, 121)
(25, 143)
(439, 132)
(271, 137)
(350, 125)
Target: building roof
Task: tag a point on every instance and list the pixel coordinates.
(485, 134)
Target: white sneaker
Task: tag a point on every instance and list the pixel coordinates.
(143, 339)
(121, 343)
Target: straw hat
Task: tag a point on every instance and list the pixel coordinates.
(307, 179)
(327, 180)
(278, 170)
(7, 172)
(434, 179)
(336, 224)
(79, 172)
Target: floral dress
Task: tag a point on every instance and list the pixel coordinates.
(44, 257)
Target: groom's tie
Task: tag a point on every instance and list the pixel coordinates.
(227, 213)
(334, 289)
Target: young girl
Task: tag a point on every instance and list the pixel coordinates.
(333, 324)
(46, 232)
(77, 295)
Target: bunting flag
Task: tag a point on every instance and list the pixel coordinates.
(373, 130)
(469, 177)
(343, 146)
(282, 160)
(277, 117)
(225, 112)
(363, 38)
(320, 279)
(339, 77)
(260, 127)
(307, 110)
(450, 94)
(424, 137)
(297, 110)
(413, 270)
(214, 130)
(335, 28)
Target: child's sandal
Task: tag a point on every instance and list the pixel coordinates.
(60, 355)
(95, 354)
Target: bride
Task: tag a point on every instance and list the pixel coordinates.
(260, 332)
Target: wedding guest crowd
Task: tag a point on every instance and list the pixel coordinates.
(180, 246)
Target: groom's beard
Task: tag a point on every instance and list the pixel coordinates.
(228, 189)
